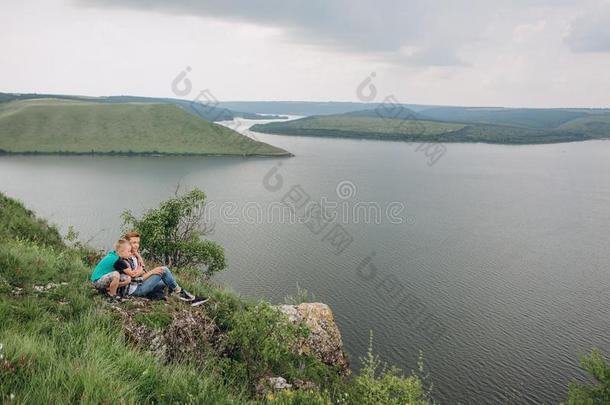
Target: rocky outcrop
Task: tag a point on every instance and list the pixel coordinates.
(325, 339)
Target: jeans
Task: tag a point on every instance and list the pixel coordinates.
(156, 282)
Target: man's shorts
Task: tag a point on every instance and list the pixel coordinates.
(103, 282)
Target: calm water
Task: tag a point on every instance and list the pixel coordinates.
(498, 271)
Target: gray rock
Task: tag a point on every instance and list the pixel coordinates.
(325, 339)
(49, 286)
(279, 383)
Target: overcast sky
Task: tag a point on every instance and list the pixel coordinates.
(538, 53)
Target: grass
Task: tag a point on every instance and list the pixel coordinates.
(595, 124)
(158, 318)
(18, 220)
(347, 126)
(503, 134)
(209, 111)
(361, 126)
(81, 127)
(515, 117)
(66, 344)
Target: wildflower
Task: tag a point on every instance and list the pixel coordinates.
(12, 396)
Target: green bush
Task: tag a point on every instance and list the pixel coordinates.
(172, 234)
(262, 340)
(599, 393)
(378, 384)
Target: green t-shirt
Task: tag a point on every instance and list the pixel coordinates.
(105, 266)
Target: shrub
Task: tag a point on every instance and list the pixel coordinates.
(378, 384)
(301, 296)
(172, 233)
(262, 339)
(596, 365)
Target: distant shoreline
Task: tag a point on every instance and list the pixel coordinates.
(463, 135)
(140, 154)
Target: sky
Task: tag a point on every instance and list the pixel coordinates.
(537, 53)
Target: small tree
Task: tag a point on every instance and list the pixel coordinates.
(378, 384)
(172, 233)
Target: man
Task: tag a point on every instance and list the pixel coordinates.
(107, 277)
(154, 280)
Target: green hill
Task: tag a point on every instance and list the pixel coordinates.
(212, 111)
(596, 124)
(518, 117)
(349, 126)
(417, 127)
(71, 126)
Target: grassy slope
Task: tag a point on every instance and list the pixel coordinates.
(358, 127)
(596, 124)
(352, 126)
(518, 117)
(66, 345)
(68, 126)
(209, 111)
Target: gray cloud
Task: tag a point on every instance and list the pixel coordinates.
(432, 32)
(508, 52)
(591, 32)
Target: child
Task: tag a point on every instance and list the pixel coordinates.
(107, 277)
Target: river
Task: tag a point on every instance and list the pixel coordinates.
(493, 261)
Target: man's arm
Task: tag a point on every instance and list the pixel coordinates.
(158, 271)
(140, 261)
(133, 273)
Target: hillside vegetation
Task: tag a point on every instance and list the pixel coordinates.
(519, 117)
(209, 110)
(358, 127)
(489, 126)
(70, 126)
(61, 342)
(596, 124)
